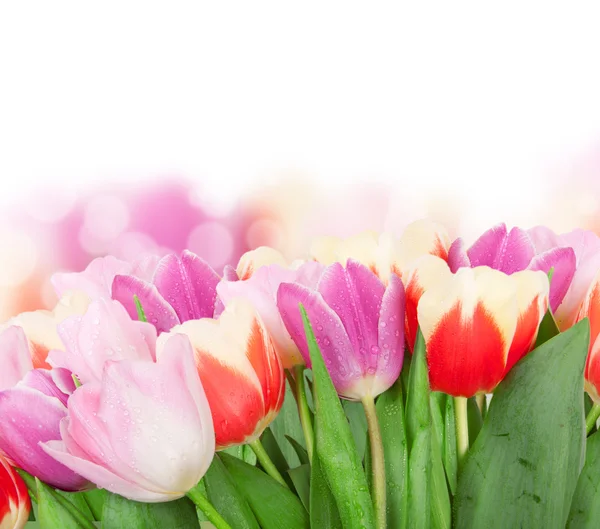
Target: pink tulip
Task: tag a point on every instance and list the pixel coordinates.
(31, 407)
(516, 250)
(145, 431)
(261, 289)
(358, 324)
(105, 332)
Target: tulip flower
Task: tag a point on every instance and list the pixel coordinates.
(183, 288)
(358, 323)
(261, 289)
(477, 324)
(586, 245)
(14, 498)
(513, 251)
(40, 326)
(31, 407)
(240, 371)
(590, 308)
(145, 431)
(105, 332)
(382, 254)
(253, 260)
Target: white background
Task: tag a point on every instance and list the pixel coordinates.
(477, 99)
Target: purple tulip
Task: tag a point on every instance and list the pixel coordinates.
(516, 250)
(31, 407)
(358, 324)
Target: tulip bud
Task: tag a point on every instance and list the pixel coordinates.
(14, 498)
(240, 371)
(590, 308)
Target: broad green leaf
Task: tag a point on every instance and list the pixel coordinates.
(243, 452)
(523, 469)
(437, 401)
(300, 450)
(449, 451)
(78, 499)
(419, 481)
(287, 423)
(56, 511)
(226, 498)
(390, 411)
(301, 478)
(418, 416)
(274, 505)
(358, 425)
(585, 509)
(335, 446)
(323, 510)
(548, 329)
(441, 515)
(121, 513)
(276, 455)
(95, 499)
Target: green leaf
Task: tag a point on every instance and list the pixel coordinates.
(358, 425)
(140, 310)
(56, 511)
(324, 513)
(548, 329)
(585, 509)
(226, 498)
(449, 450)
(390, 411)
(95, 499)
(243, 452)
(475, 420)
(418, 416)
(121, 513)
(300, 450)
(78, 500)
(276, 455)
(523, 469)
(274, 505)
(300, 476)
(287, 423)
(335, 445)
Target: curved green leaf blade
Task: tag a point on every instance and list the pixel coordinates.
(323, 510)
(226, 498)
(585, 510)
(335, 445)
(275, 453)
(300, 450)
(121, 513)
(287, 423)
(301, 478)
(548, 329)
(54, 510)
(523, 469)
(274, 505)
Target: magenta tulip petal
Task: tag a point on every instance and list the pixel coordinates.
(42, 381)
(230, 274)
(355, 294)
(96, 280)
(145, 267)
(333, 341)
(157, 311)
(391, 336)
(543, 239)
(15, 357)
(457, 256)
(563, 262)
(100, 476)
(189, 284)
(508, 253)
(63, 379)
(34, 418)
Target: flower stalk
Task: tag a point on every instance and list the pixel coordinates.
(592, 417)
(201, 501)
(377, 462)
(304, 410)
(462, 428)
(266, 462)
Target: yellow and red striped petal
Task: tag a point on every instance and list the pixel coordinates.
(590, 308)
(427, 272)
(251, 261)
(240, 371)
(423, 237)
(533, 291)
(468, 322)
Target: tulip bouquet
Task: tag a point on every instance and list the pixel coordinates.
(380, 382)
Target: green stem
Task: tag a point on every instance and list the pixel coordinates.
(480, 400)
(304, 410)
(290, 378)
(462, 428)
(592, 417)
(206, 507)
(265, 462)
(377, 462)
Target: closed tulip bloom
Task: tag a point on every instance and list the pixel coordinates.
(240, 371)
(590, 308)
(253, 260)
(261, 290)
(383, 254)
(358, 323)
(145, 431)
(14, 498)
(477, 324)
(515, 250)
(31, 407)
